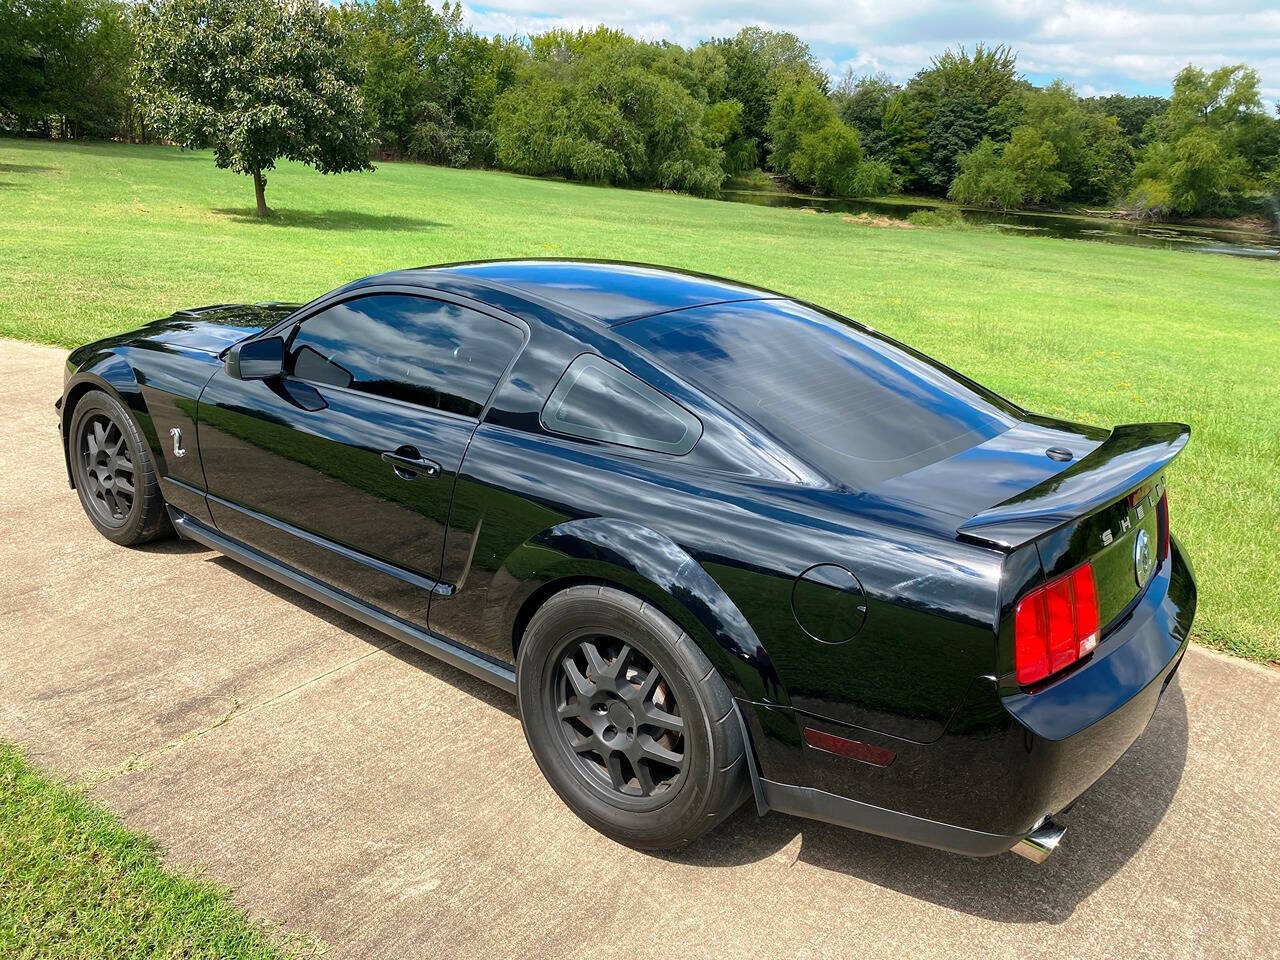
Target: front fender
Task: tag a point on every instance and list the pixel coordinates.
(159, 385)
(101, 371)
(654, 567)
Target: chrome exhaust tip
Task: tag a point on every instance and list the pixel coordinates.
(1038, 845)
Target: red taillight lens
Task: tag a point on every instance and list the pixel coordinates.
(1055, 625)
(1062, 624)
(1086, 609)
(1031, 638)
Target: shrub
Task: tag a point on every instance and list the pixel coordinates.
(939, 217)
(874, 178)
(1151, 199)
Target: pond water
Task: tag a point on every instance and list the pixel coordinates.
(1240, 243)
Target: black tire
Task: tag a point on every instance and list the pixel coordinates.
(651, 763)
(114, 472)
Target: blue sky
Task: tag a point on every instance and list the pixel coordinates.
(1130, 46)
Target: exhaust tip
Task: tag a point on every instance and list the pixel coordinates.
(1039, 845)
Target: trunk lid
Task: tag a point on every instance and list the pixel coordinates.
(1083, 547)
(1124, 543)
(1108, 509)
(1131, 457)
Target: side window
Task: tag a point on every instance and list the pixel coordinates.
(427, 352)
(600, 401)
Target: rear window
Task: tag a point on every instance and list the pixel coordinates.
(852, 403)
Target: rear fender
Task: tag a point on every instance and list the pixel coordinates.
(652, 566)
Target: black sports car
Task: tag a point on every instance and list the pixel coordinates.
(719, 543)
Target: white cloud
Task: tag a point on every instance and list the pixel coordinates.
(1127, 45)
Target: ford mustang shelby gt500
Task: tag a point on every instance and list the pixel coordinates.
(719, 543)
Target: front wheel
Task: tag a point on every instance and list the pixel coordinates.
(114, 473)
(628, 720)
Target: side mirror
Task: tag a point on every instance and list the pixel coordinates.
(256, 359)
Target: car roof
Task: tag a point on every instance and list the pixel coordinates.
(611, 292)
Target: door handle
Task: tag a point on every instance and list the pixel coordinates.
(407, 464)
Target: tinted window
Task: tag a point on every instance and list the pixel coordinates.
(600, 401)
(421, 351)
(846, 399)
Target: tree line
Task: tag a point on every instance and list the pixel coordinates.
(259, 80)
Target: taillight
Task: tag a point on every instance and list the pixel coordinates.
(1055, 625)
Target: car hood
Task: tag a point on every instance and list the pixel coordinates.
(211, 329)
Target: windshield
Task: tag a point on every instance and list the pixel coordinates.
(852, 403)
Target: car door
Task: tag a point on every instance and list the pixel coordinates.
(344, 466)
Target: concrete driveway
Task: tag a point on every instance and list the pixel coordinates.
(346, 787)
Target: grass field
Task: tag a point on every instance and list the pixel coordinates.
(96, 239)
(76, 884)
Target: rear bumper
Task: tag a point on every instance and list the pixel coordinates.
(1080, 725)
(845, 812)
(1008, 761)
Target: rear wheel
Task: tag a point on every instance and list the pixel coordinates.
(114, 473)
(628, 720)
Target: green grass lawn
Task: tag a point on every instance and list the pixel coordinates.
(74, 883)
(96, 239)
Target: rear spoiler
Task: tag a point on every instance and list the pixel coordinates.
(1130, 456)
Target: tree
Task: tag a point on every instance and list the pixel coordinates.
(861, 102)
(591, 105)
(1195, 173)
(1194, 159)
(702, 71)
(947, 108)
(957, 124)
(985, 180)
(397, 43)
(429, 82)
(989, 75)
(1093, 153)
(758, 63)
(1151, 199)
(808, 142)
(1034, 163)
(1132, 113)
(259, 80)
(904, 128)
(64, 67)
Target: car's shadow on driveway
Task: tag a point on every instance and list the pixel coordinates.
(1105, 828)
(463, 681)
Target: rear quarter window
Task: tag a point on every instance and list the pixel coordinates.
(597, 400)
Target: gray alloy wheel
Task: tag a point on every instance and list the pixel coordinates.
(628, 720)
(114, 472)
(109, 475)
(619, 720)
